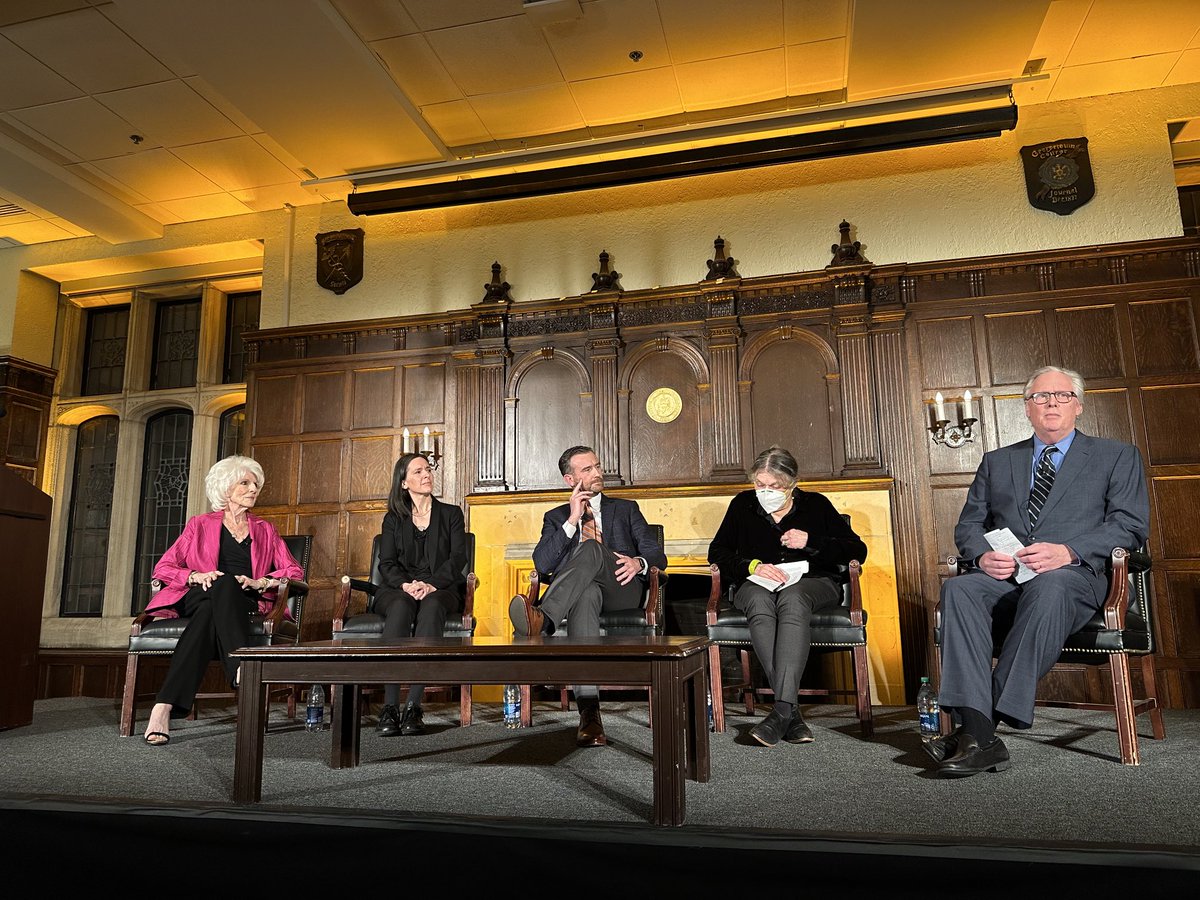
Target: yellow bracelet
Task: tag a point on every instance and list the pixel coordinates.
(754, 564)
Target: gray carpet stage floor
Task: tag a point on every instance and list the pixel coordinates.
(1066, 798)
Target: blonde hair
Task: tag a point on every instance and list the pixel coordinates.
(225, 474)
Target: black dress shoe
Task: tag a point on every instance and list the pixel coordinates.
(526, 618)
(971, 759)
(770, 730)
(591, 729)
(389, 721)
(412, 720)
(941, 748)
(798, 731)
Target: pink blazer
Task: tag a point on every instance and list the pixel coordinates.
(196, 550)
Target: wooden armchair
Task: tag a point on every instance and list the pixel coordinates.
(369, 624)
(1121, 628)
(149, 636)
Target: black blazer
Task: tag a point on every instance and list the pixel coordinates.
(625, 531)
(445, 546)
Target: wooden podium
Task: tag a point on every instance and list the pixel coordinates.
(25, 537)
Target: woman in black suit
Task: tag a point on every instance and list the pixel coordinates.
(422, 553)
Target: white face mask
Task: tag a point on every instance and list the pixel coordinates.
(770, 500)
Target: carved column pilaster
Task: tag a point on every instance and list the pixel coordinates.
(490, 458)
(860, 427)
(602, 353)
(723, 343)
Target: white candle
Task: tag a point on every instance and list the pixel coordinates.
(425, 448)
(940, 405)
(967, 414)
(405, 447)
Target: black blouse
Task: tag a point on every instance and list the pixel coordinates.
(234, 558)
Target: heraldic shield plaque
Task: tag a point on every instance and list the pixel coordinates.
(340, 259)
(1058, 175)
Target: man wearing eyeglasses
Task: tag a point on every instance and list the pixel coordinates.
(1069, 498)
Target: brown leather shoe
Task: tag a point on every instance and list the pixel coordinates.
(591, 729)
(526, 618)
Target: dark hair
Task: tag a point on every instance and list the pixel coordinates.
(778, 462)
(564, 461)
(399, 501)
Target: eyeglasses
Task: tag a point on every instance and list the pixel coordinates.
(1043, 397)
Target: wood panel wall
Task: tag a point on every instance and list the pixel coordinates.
(840, 365)
(26, 391)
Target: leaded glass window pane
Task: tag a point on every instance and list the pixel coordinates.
(104, 351)
(176, 343)
(241, 316)
(89, 518)
(233, 427)
(163, 504)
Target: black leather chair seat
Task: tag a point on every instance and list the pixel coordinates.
(830, 628)
(161, 635)
(370, 625)
(1094, 639)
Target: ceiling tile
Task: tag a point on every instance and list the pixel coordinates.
(214, 206)
(170, 113)
(1113, 30)
(157, 175)
(1113, 77)
(21, 10)
(88, 50)
(1059, 29)
(373, 21)
(448, 13)
(600, 43)
(417, 70)
(263, 199)
(815, 67)
(634, 97)
(1186, 69)
(541, 110)
(705, 29)
(456, 123)
(34, 232)
(159, 213)
(492, 57)
(27, 82)
(235, 164)
(69, 227)
(83, 127)
(733, 81)
(807, 21)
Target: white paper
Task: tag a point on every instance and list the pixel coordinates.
(1004, 541)
(793, 570)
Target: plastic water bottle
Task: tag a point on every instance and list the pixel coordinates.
(512, 706)
(927, 711)
(712, 725)
(314, 715)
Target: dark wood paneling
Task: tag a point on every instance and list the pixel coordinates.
(1106, 414)
(1089, 341)
(279, 462)
(371, 462)
(1178, 509)
(664, 452)
(324, 401)
(947, 352)
(789, 404)
(549, 419)
(1164, 337)
(424, 394)
(320, 472)
(275, 402)
(947, 507)
(322, 564)
(362, 528)
(1182, 612)
(1016, 346)
(374, 398)
(1174, 413)
(1012, 424)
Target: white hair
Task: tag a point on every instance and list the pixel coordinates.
(225, 474)
(1076, 379)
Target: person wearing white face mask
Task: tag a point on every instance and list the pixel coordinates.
(779, 523)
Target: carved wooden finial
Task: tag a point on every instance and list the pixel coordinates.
(721, 266)
(496, 291)
(847, 253)
(605, 280)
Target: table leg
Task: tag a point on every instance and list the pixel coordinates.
(667, 698)
(251, 724)
(699, 761)
(344, 724)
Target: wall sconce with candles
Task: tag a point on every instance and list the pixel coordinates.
(952, 435)
(426, 443)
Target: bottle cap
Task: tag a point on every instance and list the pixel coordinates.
(924, 679)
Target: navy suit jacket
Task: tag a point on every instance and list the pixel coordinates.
(624, 531)
(1098, 502)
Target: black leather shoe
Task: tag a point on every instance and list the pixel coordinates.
(798, 731)
(526, 618)
(770, 730)
(389, 722)
(944, 747)
(591, 729)
(412, 720)
(971, 759)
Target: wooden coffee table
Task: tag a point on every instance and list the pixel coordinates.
(673, 668)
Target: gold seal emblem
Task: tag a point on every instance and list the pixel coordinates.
(664, 405)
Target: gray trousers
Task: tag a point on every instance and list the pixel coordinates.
(1033, 620)
(585, 586)
(780, 627)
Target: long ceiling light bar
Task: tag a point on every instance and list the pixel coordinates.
(893, 135)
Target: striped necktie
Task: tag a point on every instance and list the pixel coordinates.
(591, 531)
(1043, 480)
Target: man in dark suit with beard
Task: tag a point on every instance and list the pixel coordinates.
(594, 551)
(1069, 499)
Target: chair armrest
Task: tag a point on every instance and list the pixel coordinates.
(1139, 561)
(535, 588)
(1116, 604)
(469, 600)
(654, 597)
(856, 607)
(714, 596)
(142, 620)
(341, 603)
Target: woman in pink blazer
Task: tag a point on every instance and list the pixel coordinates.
(226, 565)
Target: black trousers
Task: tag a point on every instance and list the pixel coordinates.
(220, 623)
(404, 616)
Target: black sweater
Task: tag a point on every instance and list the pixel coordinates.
(749, 533)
